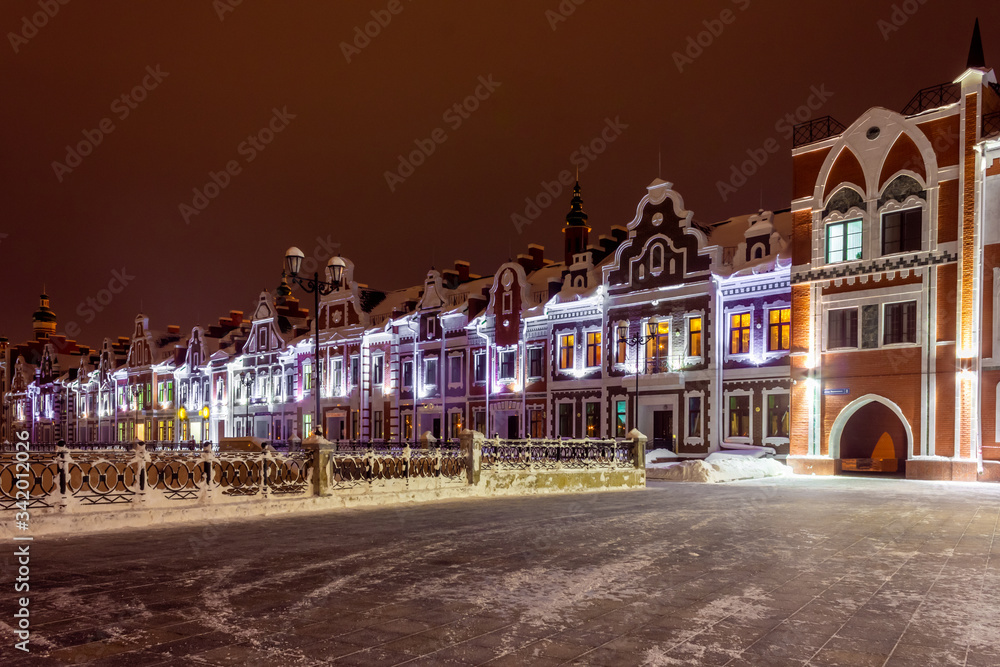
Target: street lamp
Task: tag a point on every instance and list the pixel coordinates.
(637, 341)
(246, 381)
(335, 267)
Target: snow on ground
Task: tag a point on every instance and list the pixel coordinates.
(718, 467)
(654, 454)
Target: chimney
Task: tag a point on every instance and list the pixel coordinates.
(476, 305)
(173, 329)
(537, 253)
(526, 261)
(608, 244)
(236, 316)
(620, 233)
(555, 284)
(462, 267)
(449, 278)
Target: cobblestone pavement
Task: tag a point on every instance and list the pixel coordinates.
(787, 572)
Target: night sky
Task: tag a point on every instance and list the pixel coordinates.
(212, 75)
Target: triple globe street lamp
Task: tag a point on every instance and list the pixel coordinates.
(335, 269)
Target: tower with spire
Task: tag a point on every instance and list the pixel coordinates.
(577, 229)
(43, 322)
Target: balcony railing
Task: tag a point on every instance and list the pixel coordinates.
(816, 129)
(931, 98)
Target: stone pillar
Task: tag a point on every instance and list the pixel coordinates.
(472, 447)
(639, 451)
(320, 450)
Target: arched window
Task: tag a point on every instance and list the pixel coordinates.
(656, 259)
(758, 251)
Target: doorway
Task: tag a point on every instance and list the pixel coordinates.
(663, 430)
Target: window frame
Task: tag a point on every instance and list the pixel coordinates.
(748, 328)
(593, 357)
(505, 357)
(655, 357)
(903, 212)
(782, 326)
(691, 333)
(885, 342)
(739, 394)
(829, 329)
(567, 347)
(845, 247)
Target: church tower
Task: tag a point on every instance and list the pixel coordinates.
(576, 230)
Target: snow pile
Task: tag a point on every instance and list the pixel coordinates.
(719, 468)
(654, 454)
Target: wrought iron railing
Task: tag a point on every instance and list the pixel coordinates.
(816, 129)
(933, 97)
(377, 466)
(991, 125)
(555, 454)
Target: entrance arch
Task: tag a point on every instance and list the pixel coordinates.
(867, 423)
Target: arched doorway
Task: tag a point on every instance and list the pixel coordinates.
(871, 436)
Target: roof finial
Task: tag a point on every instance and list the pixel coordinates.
(977, 60)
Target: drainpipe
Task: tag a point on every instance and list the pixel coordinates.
(524, 379)
(718, 354)
(442, 374)
(415, 388)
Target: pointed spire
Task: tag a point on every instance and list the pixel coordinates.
(576, 216)
(977, 60)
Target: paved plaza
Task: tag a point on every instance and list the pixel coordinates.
(770, 572)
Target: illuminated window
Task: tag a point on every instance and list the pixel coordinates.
(842, 330)
(307, 421)
(658, 346)
(307, 376)
(537, 422)
(901, 231)
(407, 426)
(779, 329)
(620, 418)
(739, 333)
(739, 416)
(593, 420)
(694, 336)
(843, 241)
(456, 424)
(900, 323)
(566, 344)
(777, 415)
(593, 349)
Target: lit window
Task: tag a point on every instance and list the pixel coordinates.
(843, 241)
(739, 333)
(658, 347)
(694, 336)
(900, 324)
(593, 419)
(777, 416)
(307, 376)
(779, 329)
(842, 330)
(566, 344)
(739, 416)
(593, 349)
(620, 411)
(537, 423)
(901, 231)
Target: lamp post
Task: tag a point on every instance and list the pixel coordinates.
(246, 382)
(335, 267)
(636, 341)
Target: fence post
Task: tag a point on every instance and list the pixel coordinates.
(265, 456)
(64, 461)
(207, 495)
(471, 443)
(321, 450)
(639, 449)
(140, 459)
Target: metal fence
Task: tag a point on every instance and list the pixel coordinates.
(61, 478)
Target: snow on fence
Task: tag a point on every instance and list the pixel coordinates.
(164, 484)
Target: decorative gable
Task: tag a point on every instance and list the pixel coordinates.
(663, 248)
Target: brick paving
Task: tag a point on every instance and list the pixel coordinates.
(771, 572)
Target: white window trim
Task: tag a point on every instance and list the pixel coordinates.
(426, 362)
(644, 350)
(688, 438)
(826, 329)
(768, 307)
(728, 312)
(541, 351)
(769, 439)
(881, 325)
(559, 348)
(586, 332)
(572, 405)
(853, 213)
(688, 357)
(461, 371)
(481, 354)
(500, 352)
(402, 372)
(732, 438)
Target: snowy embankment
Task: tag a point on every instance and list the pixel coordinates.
(717, 467)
